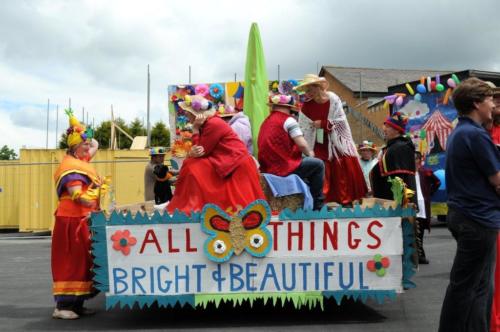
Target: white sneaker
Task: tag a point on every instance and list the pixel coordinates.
(64, 314)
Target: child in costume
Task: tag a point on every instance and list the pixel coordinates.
(162, 190)
(77, 185)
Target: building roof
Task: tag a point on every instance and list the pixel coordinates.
(376, 80)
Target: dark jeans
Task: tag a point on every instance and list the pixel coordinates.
(312, 171)
(467, 304)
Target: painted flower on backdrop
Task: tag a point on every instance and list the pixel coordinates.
(216, 91)
(122, 241)
(378, 264)
(202, 89)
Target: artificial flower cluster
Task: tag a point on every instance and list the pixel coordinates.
(282, 99)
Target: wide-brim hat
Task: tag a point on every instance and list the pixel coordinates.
(282, 100)
(311, 79)
(196, 104)
(367, 145)
(496, 90)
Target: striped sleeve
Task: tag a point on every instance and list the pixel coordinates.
(291, 126)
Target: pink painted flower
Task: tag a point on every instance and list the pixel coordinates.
(122, 241)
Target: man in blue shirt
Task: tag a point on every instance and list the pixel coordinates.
(473, 188)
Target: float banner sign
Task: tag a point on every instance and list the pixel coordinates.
(170, 259)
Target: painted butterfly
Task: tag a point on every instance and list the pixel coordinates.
(231, 234)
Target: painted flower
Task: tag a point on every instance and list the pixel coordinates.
(202, 89)
(216, 91)
(378, 265)
(122, 241)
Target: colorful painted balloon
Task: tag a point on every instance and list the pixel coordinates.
(455, 78)
(410, 89)
(399, 101)
(418, 97)
(433, 86)
(439, 87)
(451, 83)
(421, 88)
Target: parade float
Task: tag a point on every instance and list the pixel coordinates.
(273, 253)
(214, 256)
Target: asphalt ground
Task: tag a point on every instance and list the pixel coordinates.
(26, 302)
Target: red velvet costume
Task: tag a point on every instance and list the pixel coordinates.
(226, 175)
(344, 180)
(278, 153)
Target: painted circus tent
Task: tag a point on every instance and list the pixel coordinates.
(431, 119)
(301, 256)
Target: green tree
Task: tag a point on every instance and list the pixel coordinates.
(102, 134)
(7, 154)
(122, 141)
(63, 141)
(136, 128)
(160, 135)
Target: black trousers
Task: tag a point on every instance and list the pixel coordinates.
(420, 237)
(467, 304)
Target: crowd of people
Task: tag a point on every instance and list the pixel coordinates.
(316, 145)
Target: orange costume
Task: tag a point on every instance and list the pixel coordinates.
(71, 259)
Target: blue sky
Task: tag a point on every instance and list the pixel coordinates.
(97, 52)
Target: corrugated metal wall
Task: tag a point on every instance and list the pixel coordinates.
(28, 198)
(9, 194)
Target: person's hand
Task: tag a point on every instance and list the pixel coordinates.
(91, 203)
(197, 151)
(199, 120)
(311, 154)
(317, 124)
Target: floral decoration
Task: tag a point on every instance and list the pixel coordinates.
(378, 264)
(202, 89)
(216, 91)
(122, 241)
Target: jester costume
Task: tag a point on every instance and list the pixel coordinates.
(397, 159)
(71, 259)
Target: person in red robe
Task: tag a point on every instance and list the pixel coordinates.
(325, 127)
(70, 255)
(218, 169)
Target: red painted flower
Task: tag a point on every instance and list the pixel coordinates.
(122, 241)
(378, 265)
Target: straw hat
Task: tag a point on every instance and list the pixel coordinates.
(311, 79)
(367, 145)
(196, 104)
(282, 100)
(496, 90)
